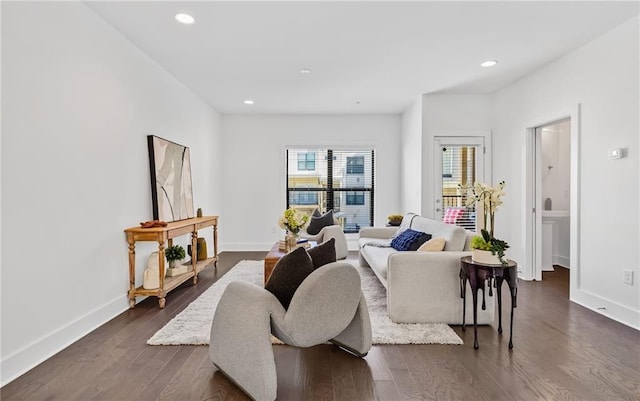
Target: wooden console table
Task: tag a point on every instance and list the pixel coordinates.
(161, 235)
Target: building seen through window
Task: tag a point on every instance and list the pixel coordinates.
(333, 179)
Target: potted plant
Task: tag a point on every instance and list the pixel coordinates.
(173, 253)
(486, 247)
(293, 220)
(394, 219)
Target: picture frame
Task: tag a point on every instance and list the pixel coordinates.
(171, 184)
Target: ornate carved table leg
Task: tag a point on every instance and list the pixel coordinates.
(499, 296)
(474, 295)
(463, 295)
(194, 257)
(513, 289)
(132, 272)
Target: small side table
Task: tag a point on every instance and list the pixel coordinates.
(476, 274)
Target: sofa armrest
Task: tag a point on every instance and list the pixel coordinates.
(425, 287)
(378, 232)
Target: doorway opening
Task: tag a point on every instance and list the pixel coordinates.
(554, 191)
(459, 161)
(551, 201)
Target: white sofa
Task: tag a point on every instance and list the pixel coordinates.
(423, 287)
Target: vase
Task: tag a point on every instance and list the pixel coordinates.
(481, 256)
(292, 240)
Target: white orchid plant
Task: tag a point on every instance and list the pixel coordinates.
(489, 199)
(293, 220)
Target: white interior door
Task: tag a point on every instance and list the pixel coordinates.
(457, 161)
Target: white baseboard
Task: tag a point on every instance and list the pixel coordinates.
(21, 361)
(620, 313)
(561, 260)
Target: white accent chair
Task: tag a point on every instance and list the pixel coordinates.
(327, 306)
(328, 232)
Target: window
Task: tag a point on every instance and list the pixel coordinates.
(304, 198)
(447, 162)
(458, 168)
(355, 165)
(340, 180)
(307, 161)
(355, 198)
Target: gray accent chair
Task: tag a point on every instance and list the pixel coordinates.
(327, 306)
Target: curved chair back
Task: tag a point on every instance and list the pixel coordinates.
(322, 306)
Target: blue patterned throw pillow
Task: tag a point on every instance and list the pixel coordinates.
(409, 240)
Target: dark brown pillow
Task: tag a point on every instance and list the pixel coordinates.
(323, 253)
(288, 273)
(318, 223)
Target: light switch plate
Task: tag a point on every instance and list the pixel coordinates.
(628, 277)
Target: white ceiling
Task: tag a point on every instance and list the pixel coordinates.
(365, 57)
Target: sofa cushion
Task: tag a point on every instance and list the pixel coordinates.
(323, 253)
(433, 245)
(288, 273)
(319, 222)
(377, 258)
(409, 240)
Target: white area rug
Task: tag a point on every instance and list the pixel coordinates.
(192, 326)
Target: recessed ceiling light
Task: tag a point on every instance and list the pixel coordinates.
(185, 18)
(248, 101)
(305, 71)
(489, 63)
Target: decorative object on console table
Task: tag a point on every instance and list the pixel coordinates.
(173, 254)
(152, 273)
(488, 198)
(171, 188)
(199, 212)
(201, 249)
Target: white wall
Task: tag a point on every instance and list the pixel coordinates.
(602, 77)
(411, 159)
(77, 103)
(451, 115)
(556, 165)
(254, 158)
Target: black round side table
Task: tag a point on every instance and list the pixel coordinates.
(477, 274)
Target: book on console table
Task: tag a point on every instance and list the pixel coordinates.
(282, 244)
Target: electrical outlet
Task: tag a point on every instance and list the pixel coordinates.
(628, 277)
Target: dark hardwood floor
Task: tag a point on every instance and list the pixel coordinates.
(562, 351)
